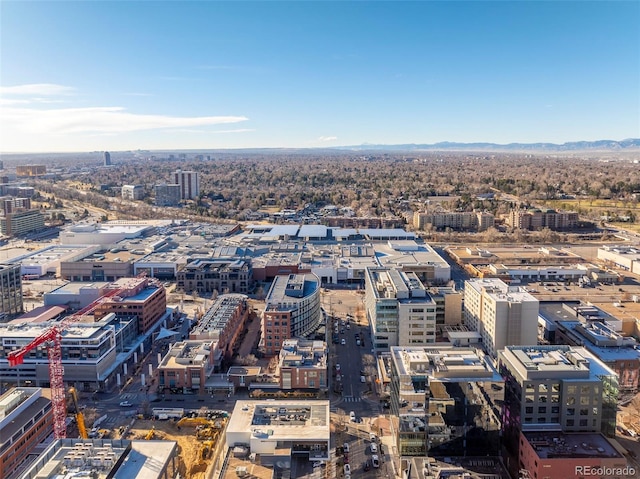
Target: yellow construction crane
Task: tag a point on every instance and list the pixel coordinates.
(151, 433)
(82, 429)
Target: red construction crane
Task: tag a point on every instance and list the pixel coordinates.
(52, 340)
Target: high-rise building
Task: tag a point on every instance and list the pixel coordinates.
(107, 158)
(189, 182)
(168, 195)
(444, 401)
(555, 388)
(503, 315)
(10, 291)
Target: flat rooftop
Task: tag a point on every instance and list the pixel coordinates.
(514, 254)
(297, 286)
(217, 317)
(102, 459)
(550, 445)
(282, 420)
(444, 363)
(498, 290)
(558, 361)
(48, 254)
(77, 287)
(29, 330)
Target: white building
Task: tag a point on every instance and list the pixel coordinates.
(281, 428)
(400, 310)
(625, 257)
(104, 234)
(48, 259)
(503, 315)
(132, 192)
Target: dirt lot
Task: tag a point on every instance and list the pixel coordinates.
(190, 449)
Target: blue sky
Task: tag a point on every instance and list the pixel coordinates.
(119, 75)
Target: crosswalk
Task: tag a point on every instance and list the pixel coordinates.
(351, 399)
(124, 397)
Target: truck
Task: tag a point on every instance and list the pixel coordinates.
(168, 412)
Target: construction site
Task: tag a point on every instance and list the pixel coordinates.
(198, 439)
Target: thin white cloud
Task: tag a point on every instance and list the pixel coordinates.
(327, 138)
(239, 130)
(39, 89)
(69, 121)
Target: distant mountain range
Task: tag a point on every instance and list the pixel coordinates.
(609, 145)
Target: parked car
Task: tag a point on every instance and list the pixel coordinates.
(345, 447)
(374, 447)
(352, 416)
(375, 461)
(347, 469)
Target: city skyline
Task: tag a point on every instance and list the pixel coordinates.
(211, 75)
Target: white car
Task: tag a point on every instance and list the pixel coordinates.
(345, 447)
(352, 416)
(343, 342)
(375, 461)
(125, 404)
(318, 464)
(374, 447)
(347, 469)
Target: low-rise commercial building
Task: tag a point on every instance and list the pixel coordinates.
(621, 256)
(556, 455)
(302, 364)
(187, 366)
(278, 430)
